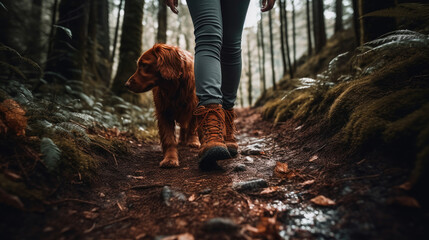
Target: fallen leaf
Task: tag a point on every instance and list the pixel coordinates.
(281, 167)
(192, 198)
(90, 215)
(322, 201)
(135, 177)
(267, 226)
(269, 190)
(183, 236)
(282, 170)
(11, 175)
(313, 158)
(308, 182)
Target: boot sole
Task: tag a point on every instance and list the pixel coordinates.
(208, 159)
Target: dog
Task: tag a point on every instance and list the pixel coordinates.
(169, 72)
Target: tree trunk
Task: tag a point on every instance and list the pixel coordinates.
(161, 36)
(273, 72)
(282, 36)
(241, 95)
(262, 45)
(260, 68)
(115, 39)
(34, 42)
(131, 47)
(319, 25)
(356, 21)
(339, 15)
(53, 29)
(373, 27)
(68, 54)
(310, 44)
(293, 35)
(249, 73)
(286, 30)
(104, 65)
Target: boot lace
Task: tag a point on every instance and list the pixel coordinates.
(211, 126)
(229, 124)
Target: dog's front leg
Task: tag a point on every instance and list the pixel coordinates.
(166, 129)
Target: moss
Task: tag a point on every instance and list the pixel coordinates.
(368, 122)
(74, 159)
(270, 108)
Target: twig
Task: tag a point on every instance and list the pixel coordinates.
(358, 178)
(146, 186)
(113, 222)
(315, 151)
(72, 200)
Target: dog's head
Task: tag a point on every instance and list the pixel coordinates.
(159, 64)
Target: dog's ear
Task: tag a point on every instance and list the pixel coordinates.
(169, 61)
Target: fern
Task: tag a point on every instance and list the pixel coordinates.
(51, 153)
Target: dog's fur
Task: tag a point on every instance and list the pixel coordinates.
(169, 72)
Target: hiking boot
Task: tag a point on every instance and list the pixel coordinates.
(230, 141)
(211, 129)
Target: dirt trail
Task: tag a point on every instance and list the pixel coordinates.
(138, 200)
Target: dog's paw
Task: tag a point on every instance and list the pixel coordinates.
(194, 144)
(169, 163)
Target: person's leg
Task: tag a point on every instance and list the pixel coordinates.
(233, 17)
(207, 19)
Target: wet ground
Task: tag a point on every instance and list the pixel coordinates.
(289, 181)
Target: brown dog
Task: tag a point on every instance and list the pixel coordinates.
(169, 72)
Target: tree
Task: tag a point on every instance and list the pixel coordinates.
(273, 71)
(310, 44)
(319, 25)
(373, 27)
(294, 35)
(131, 47)
(339, 15)
(67, 57)
(282, 37)
(115, 38)
(356, 22)
(261, 46)
(161, 36)
(285, 32)
(34, 42)
(249, 72)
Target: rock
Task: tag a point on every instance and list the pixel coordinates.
(240, 168)
(250, 185)
(253, 149)
(206, 191)
(167, 194)
(216, 225)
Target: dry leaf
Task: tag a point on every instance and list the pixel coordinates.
(14, 116)
(269, 190)
(322, 201)
(10, 200)
(281, 167)
(308, 182)
(183, 236)
(313, 158)
(192, 198)
(90, 215)
(267, 226)
(282, 170)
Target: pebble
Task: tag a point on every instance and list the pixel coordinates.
(240, 168)
(167, 194)
(250, 185)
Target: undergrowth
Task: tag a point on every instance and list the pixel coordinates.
(376, 97)
(56, 130)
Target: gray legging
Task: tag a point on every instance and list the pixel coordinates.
(218, 28)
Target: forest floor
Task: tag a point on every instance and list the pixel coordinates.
(292, 166)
